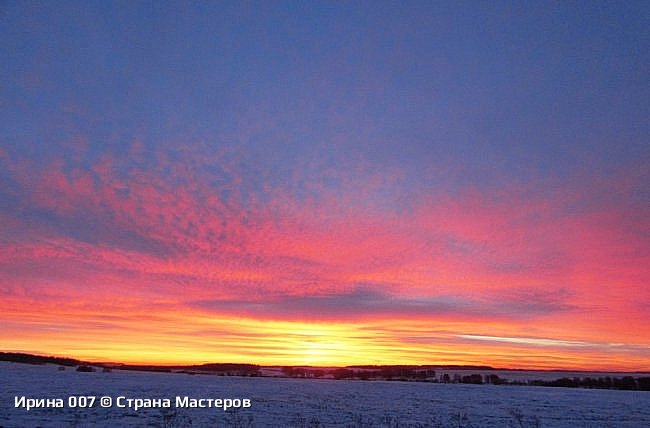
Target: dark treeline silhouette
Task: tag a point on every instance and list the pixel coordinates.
(225, 369)
(424, 373)
(230, 369)
(364, 372)
(425, 366)
(607, 382)
(17, 357)
(142, 368)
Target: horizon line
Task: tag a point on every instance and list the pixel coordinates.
(452, 366)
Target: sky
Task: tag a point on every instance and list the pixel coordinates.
(327, 183)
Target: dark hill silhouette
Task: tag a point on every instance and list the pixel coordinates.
(18, 357)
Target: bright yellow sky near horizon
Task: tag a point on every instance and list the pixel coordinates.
(194, 338)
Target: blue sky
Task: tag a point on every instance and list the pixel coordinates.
(507, 88)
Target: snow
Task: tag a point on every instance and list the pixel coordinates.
(281, 402)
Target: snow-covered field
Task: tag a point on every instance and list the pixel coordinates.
(309, 403)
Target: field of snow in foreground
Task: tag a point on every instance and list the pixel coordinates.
(310, 403)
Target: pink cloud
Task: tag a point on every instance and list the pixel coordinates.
(173, 234)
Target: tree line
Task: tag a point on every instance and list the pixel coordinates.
(410, 373)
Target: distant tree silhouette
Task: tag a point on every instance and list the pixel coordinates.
(476, 379)
(494, 379)
(644, 383)
(342, 373)
(85, 368)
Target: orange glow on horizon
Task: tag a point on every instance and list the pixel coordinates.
(193, 338)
